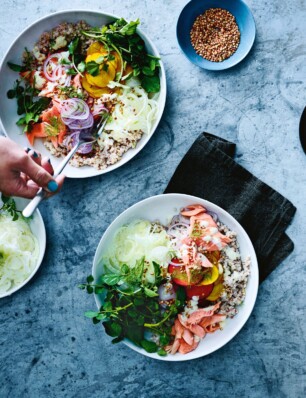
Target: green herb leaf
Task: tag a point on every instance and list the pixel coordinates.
(150, 292)
(89, 289)
(11, 94)
(90, 279)
(99, 289)
(164, 340)
(105, 67)
(71, 71)
(15, 67)
(81, 66)
(100, 59)
(162, 353)
(101, 317)
(149, 346)
(113, 329)
(157, 272)
(72, 47)
(110, 279)
(91, 314)
(117, 340)
(130, 28)
(181, 295)
(147, 71)
(92, 68)
(9, 206)
(151, 84)
(134, 332)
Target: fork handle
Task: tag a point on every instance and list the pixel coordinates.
(66, 159)
(41, 194)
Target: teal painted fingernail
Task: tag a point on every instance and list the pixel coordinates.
(52, 186)
(35, 155)
(49, 161)
(28, 150)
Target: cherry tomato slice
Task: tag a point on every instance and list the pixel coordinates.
(201, 291)
(179, 275)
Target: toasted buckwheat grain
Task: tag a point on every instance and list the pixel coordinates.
(215, 35)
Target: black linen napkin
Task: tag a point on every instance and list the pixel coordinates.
(209, 172)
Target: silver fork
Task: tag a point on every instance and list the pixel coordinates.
(84, 138)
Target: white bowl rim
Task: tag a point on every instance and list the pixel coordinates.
(42, 249)
(255, 276)
(92, 171)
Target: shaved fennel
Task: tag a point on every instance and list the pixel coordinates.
(137, 240)
(19, 252)
(133, 111)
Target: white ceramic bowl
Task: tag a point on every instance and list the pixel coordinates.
(38, 229)
(162, 208)
(8, 107)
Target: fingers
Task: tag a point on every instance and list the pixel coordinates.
(38, 174)
(24, 189)
(40, 160)
(60, 181)
(46, 164)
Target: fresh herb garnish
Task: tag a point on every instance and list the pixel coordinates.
(92, 68)
(9, 206)
(131, 306)
(123, 38)
(71, 92)
(26, 104)
(75, 51)
(15, 67)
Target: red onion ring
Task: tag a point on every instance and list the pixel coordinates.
(67, 81)
(73, 139)
(98, 109)
(213, 215)
(74, 108)
(79, 124)
(52, 77)
(174, 226)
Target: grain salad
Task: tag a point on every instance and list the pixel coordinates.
(180, 281)
(77, 74)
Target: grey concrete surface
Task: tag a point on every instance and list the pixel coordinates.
(47, 347)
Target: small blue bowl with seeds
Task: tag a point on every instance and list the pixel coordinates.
(216, 34)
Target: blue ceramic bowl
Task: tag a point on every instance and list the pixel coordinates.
(244, 19)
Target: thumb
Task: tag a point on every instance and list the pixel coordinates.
(39, 175)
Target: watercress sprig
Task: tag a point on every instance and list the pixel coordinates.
(9, 206)
(123, 38)
(131, 306)
(27, 105)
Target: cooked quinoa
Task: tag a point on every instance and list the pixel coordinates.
(102, 156)
(235, 273)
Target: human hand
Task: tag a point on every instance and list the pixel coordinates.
(22, 172)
